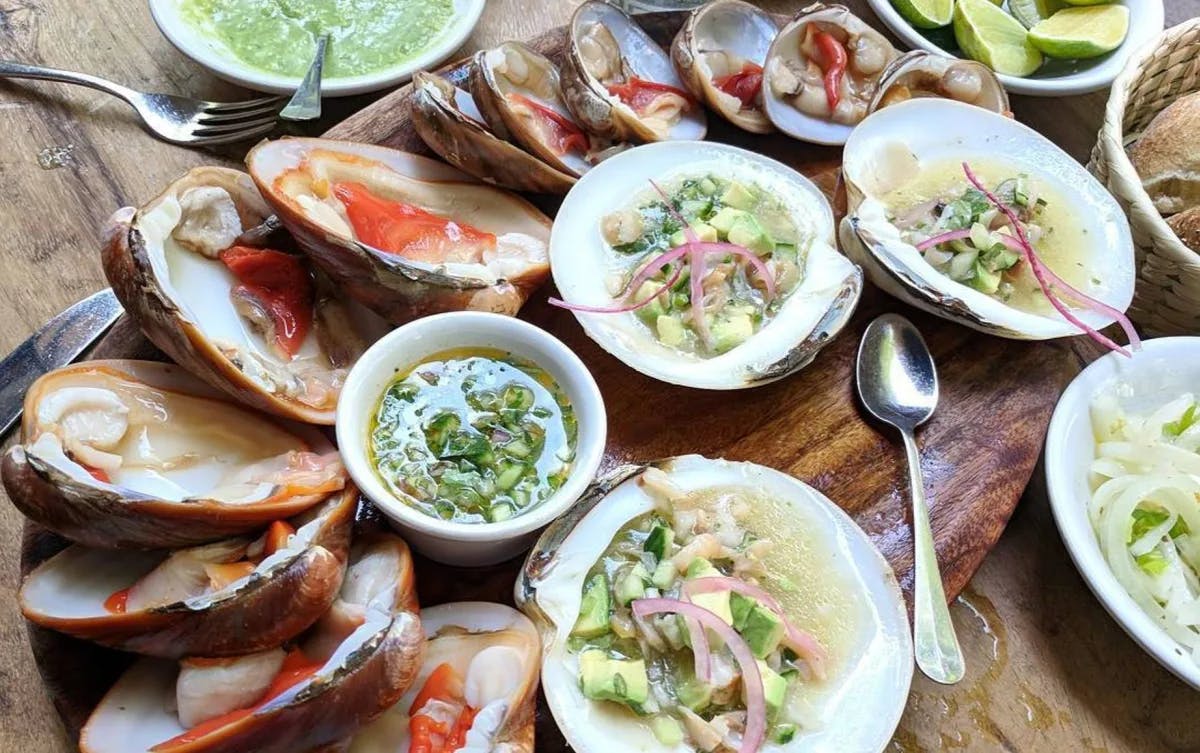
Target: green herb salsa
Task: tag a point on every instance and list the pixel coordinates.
(279, 36)
(473, 436)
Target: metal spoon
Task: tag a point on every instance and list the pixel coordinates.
(305, 104)
(897, 382)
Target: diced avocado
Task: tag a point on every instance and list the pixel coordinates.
(632, 585)
(659, 541)
(740, 196)
(604, 678)
(779, 225)
(716, 602)
(595, 609)
(667, 729)
(984, 280)
(774, 689)
(670, 330)
(740, 607)
(702, 568)
(664, 575)
(730, 332)
(705, 232)
(725, 218)
(763, 631)
(783, 734)
(694, 694)
(747, 232)
(708, 186)
(654, 309)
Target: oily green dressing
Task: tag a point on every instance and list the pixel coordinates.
(279, 36)
(473, 436)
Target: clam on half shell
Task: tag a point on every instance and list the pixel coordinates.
(450, 122)
(721, 39)
(919, 74)
(519, 93)
(365, 655)
(846, 583)
(494, 271)
(811, 315)
(495, 650)
(164, 263)
(607, 49)
(894, 144)
(142, 455)
(171, 609)
(792, 78)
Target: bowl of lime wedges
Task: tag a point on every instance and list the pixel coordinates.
(1048, 48)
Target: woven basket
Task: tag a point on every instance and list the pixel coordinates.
(1167, 298)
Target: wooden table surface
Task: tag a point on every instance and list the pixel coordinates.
(1048, 669)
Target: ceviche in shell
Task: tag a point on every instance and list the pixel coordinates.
(822, 71)
(140, 454)
(704, 605)
(727, 261)
(621, 85)
(209, 281)
(985, 222)
(402, 234)
(476, 690)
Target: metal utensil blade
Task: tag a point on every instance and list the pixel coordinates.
(59, 342)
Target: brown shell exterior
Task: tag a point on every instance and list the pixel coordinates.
(377, 675)
(264, 614)
(127, 267)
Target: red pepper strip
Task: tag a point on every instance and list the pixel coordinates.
(282, 284)
(116, 603)
(428, 736)
(639, 93)
(566, 136)
(404, 229)
(443, 684)
(277, 537)
(99, 474)
(833, 56)
(462, 725)
(296, 669)
(745, 84)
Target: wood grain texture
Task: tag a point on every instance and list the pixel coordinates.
(1048, 670)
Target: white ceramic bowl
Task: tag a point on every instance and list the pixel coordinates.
(468, 544)
(1166, 368)
(217, 58)
(1146, 20)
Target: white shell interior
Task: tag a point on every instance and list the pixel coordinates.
(647, 60)
(894, 142)
(390, 733)
(865, 696)
(581, 260)
(737, 27)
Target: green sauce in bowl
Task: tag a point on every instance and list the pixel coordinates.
(473, 436)
(279, 36)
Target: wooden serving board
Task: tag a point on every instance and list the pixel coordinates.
(979, 449)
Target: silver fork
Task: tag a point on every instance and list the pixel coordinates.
(179, 120)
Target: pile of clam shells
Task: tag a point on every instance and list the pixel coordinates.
(515, 118)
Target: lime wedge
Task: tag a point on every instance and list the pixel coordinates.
(991, 36)
(926, 14)
(1032, 12)
(1088, 2)
(1082, 32)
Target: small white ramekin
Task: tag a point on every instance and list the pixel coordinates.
(468, 544)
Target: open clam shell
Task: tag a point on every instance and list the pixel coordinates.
(718, 42)
(810, 316)
(848, 584)
(362, 662)
(519, 94)
(608, 49)
(895, 144)
(495, 650)
(164, 263)
(919, 74)
(494, 270)
(280, 597)
(449, 120)
(792, 79)
(142, 455)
